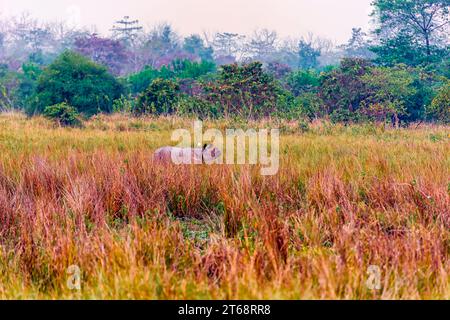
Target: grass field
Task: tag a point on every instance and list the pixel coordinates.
(345, 199)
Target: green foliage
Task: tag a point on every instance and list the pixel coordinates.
(125, 104)
(140, 81)
(195, 106)
(303, 81)
(179, 69)
(186, 69)
(64, 114)
(8, 83)
(27, 84)
(344, 88)
(400, 49)
(159, 98)
(440, 106)
(16, 88)
(387, 91)
(246, 91)
(345, 116)
(194, 45)
(411, 29)
(307, 56)
(358, 89)
(311, 105)
(78, 81)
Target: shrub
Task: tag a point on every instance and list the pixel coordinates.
(140, 81)
(344, 88)
(178, 69)
(440, 106)
(303, 81)
(345, 116)
(16, 88)
(186, 69)
(311, 105)
(125, 104)
(159, 98)
(278, 70)
(387, 91)
(64, 114)
(81, 83)
(198, 107)
(246, 91)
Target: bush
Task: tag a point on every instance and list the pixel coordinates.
(159, 98)
(81, 83)
(344, 88)
(345, 116)
(140, 81)
(64, 114)
(125, 104)
(387, 92)
(178, 69)
(197, 107)
(303, 81)
(16, 88)
(440, 107)
(246, 91)
(311, 105)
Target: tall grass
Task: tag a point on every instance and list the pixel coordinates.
(345, 198)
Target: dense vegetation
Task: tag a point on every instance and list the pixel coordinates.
(398, 74)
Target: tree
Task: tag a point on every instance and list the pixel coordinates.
(126, 30)
(358, 90)
(287, 53)
(107, 52)
(78, 81)
(8, 84)
(178, 69)
(307, 55)
(310, 105)
(303, 81)
(227, 44)
(358, 45)
(387, 93)
(16, 88)
(29, 39)
(186, 69)
(440, 107)
(161, 47)
(263, 44)
(401, 49)
(195, 45)
(159, 98)
(278, 70)
(2, 45)
(423, 20)
(244, 90)
(344, 88)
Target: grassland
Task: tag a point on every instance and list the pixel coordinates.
(345, 198)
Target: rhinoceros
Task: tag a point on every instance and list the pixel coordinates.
(177, 155)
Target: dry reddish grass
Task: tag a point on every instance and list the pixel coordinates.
(344, 199)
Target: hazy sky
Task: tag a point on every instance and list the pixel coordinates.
(331, 18)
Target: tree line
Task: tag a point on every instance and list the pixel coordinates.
(397, 73)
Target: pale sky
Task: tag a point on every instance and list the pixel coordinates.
(333, 19)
